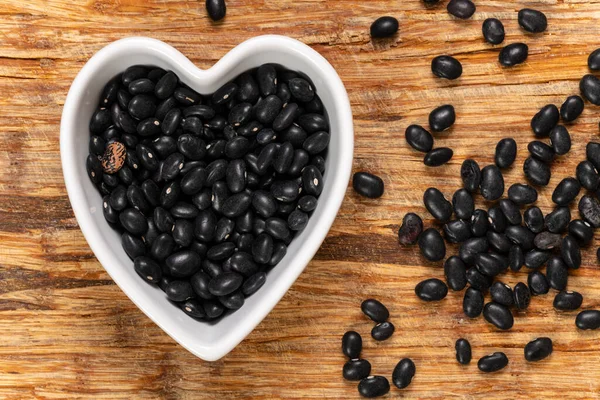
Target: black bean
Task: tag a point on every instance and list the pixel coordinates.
(547, 240)
(594, 60)
(373, 386)
(558, 220)
(237, 147)
(571, 252)
(235, 176)
(492, 183)
(446, 67)
(416, 136)
(537, 282)
(312, 123)
(557, 273)
(590, 88)
(403, 373)
(521, 236)
(560, 139)
(279, 251)
(164, 146)
(573, 106)
(534, 219)
(522, 194)
(532, 20)
(316, 143)
(286, 117)
(267, 79)
(162, 247)
(411, 228)
(262, 248)
(581, 231)
(211, 268)
(437, 205)
(265, 136)
(498, 315)
(588, 319)
(233, 301)
(566, 191)
(133, 246)
(493, 31)
(516, 258)
(171, 121)
(110, 214)
(488, 264)
(240, 114)
(499, 241)
(285, 191)
(592, 151)
(253, 283)
(463, 204)
(493, 362)
(506, 152)
(432, 245)
(301, 89)
(589, 209)
(277, 228)
(213, 309)
(382, 331)
(368, 185)
(100, 121)
(166, 85)
(201, 111)
(463, 351)
(141, 86)
(133, 221)
(479, 223)
(249, 90)
(437, 157)
(97, 145)
(457, 231)
(511, 211)
(538, 349)
(118, 198)
(123, 98)
(147, 269)
(462, 9)
(183, 263)
(471, 247)
(470, 175)
(312, 181)
(375, 310)
(297, 220)
(442, 118)
(473, 303)
(502, 294)
(541, 151)
(191, 146)
(522, 296)
(192, 125)
(235, 205)
(356, 370)
(431, 290)
(513, 54)
(179, 290)
(455, 273)
(267, 109)
(384, 27)
(536, 171)
(94, 168)
(568, 301)
(243, 263)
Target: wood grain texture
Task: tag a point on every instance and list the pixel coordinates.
(68, 331)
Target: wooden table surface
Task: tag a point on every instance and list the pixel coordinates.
(67, 329)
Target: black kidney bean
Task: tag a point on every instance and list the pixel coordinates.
(312, 123)
(511, 211)
(457, 231)
(374, 386)
(368, 185)
(431, 290)
(162, 247)
(572, 108)
(493, 362)
(594, 60)
(179, 290)
(537, 172)
(470, 175)
(521, 236)
(94, 169)
(277, 228)
(437, 157)
(141, 86)
(411, 228)
(513, 54)
(384, 27)
(588, 319)
(547, 240)
(101, 120)
(266, 136)
(375, 310)
(225, 283)
(211, 268)
(437, 205)
(498, 315)
(567, 301)
(516, 258)
(463, 351)
(492, 183)
(416, 136)
(110, 214)
(557, 273)
(403, 373)
(267, 109)
(506, 152)
(566, 191)
(147, 269)
(183, 232)
(534, 219)
(233, 301)
(194, 308)
(243, 263)
(286, 117)
(538, 349)
(279, 251)
(446, 67)
(262, 248)
(171, 121)
(132, 73)
(455, 273)
(592, 151)
(267, 79)
(462, 9)
(541, 151)
(493, 31)
(471, 247)
(97, 145)
(213, 309)
(590, 88)
(253, 283)
(316, 143)
(301, 89)
(312, 181)
(356, 370)
(235, 176)
(382, 331)
(571, 253)
(183, 263)
(532, 20)
(558, 220)
(432, 245)
(191, 147)
(297, 220)
(133, 221)
(488, 264)
(123, 98)
(442, 118)
(463, 204)
(522, 296)
(286, 191)
(473, 303)
(118, 198)
(264, 203)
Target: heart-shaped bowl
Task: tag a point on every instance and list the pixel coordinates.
(207, 341)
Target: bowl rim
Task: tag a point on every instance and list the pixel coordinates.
(92, 232)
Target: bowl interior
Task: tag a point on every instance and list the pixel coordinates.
(208, 341)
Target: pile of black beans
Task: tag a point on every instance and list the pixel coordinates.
(208, 190)
(357, 369)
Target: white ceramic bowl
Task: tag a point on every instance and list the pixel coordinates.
(207, 341)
